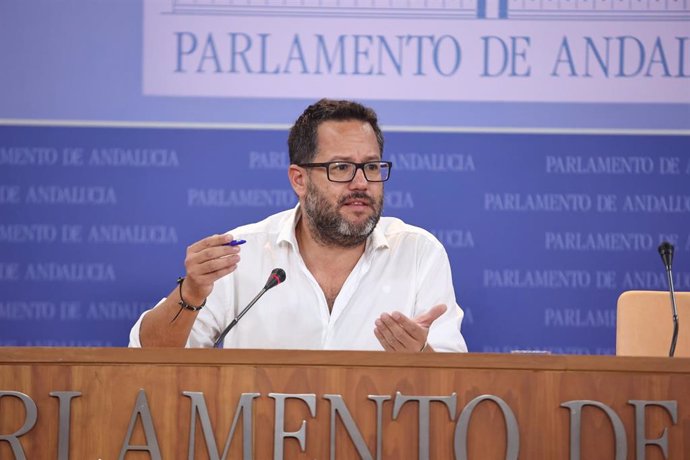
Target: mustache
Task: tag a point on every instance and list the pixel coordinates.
(361, 196)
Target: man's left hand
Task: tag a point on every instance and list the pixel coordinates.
(397, 332)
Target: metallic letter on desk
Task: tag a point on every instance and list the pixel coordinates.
(449, 401)
(65, 398)
(338, 408)
(512, 431)
(29, 422)
(379, 400)
(576, 425)
(279, 432)
(141, 407)
(244, 406)
(641, 442)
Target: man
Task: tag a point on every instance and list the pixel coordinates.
(354, 280)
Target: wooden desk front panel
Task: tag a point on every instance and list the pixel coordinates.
(534, 387)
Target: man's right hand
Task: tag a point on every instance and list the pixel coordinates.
(207, 261)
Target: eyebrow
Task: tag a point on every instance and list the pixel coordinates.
(365, 160)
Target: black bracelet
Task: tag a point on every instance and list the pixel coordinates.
(184, 305)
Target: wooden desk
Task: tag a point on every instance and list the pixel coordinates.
(533, 388)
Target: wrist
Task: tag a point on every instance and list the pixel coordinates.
(188, 295)
(188, 299)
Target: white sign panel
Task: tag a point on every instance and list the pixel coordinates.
(452, 50)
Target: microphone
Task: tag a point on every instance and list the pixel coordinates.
(666, 253)
(276, 277)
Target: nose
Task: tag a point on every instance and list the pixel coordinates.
(359, 181)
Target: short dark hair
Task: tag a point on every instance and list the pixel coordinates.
(302, 141)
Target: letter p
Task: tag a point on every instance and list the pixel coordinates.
(186, 45)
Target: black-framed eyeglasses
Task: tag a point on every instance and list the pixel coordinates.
(344, 171)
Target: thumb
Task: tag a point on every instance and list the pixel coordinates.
(431, 315)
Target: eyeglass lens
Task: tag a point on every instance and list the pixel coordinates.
(345, 172)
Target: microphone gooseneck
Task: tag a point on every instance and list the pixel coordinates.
(666, 253)
(276, 277)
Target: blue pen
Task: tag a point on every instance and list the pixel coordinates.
(235, 243)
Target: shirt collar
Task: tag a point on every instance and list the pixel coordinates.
(377, 239)
(287, 229)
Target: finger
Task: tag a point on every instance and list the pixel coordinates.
(210, 241)
(204, 283)
(388, 335)
(431, 315)
(382, 340)
(410, 326)
(211, 266)
(408, 342)
(211, 253)
(211, 278)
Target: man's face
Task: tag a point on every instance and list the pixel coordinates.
(343, 214)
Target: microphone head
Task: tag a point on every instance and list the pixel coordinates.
(666, 253)
(276, 277)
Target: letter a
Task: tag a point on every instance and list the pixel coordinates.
(141, 407)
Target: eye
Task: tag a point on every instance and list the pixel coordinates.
(373, 167)
(340, 167)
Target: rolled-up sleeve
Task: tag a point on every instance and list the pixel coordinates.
(435, 286)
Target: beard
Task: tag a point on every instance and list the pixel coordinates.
(329, 228)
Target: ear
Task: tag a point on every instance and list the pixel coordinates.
(298, 180)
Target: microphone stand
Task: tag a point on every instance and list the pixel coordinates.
(666, 252)
(672, 293)
(276, 277)
(237, 319)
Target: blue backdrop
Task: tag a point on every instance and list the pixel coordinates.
(545, 143)
(543, 231)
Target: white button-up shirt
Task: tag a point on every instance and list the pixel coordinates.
(403, 268)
